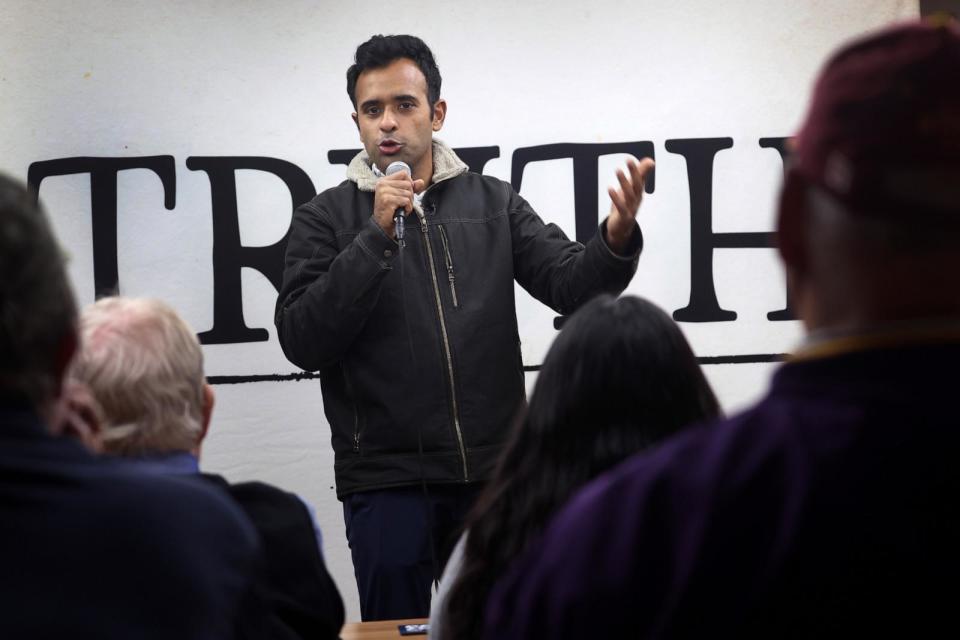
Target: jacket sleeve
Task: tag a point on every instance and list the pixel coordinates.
(561, 273)
(327, 294)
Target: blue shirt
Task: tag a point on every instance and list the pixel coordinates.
(185, 463)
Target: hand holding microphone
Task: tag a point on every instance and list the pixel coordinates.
(393, 168)
(393, 198)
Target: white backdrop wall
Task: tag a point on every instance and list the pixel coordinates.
(217, 78)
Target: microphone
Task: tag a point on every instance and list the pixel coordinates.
(398, 167)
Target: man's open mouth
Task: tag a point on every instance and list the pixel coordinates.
(389, 147)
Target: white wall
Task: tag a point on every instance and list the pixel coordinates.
(216, 78)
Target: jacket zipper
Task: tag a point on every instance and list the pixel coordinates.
(450, 276)
(446, 347)
(356, 412)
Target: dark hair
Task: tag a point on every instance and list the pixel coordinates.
(619, 377)
(37, 309)
(379, 51)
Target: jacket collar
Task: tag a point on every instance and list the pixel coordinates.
(446, 165)
(166, 464)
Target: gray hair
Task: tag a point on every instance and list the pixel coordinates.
(144, 366)
(37, 308)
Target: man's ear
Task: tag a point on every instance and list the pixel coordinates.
(356, 120)
(209, 398)
(79, 416)
(439, 113)
(791, 223)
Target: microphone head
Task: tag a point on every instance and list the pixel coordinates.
(398, 167)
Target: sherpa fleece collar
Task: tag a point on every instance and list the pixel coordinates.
(446, 165)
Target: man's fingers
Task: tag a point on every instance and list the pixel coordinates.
(393, 193)
(639, 171)
(628, 195)
(397, 196)
(636, 179)
(627, 198)
(402, 181)
(396, 192)
(397, 177)
(618, 201)
(399, 187)
(399, 202)
(625, 185)
(398, 199)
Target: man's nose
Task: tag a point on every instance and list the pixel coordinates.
(389, 121)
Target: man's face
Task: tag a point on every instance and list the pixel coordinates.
(394, 116)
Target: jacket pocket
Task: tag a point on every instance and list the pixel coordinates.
(448, 258)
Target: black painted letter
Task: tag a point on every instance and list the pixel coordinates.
(780, 145)
(703, 305)
(229, 256)
(103, 203)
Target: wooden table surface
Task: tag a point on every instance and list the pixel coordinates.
(379, 630)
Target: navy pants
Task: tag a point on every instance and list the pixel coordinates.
(389, 532)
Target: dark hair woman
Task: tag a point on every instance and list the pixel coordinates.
(618, 378)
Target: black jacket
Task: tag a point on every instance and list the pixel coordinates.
(298, 597)
(92, 549)
(418, 349)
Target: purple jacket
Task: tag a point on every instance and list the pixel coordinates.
(831, 508)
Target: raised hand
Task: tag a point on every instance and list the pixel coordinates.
(625, 202)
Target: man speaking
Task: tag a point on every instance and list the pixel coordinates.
(415, 338)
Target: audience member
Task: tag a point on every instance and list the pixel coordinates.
(77, 416)
(89, 549)
(831, 508)
(618, 378)
(144, 367)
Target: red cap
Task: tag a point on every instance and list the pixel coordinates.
(883, 130)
